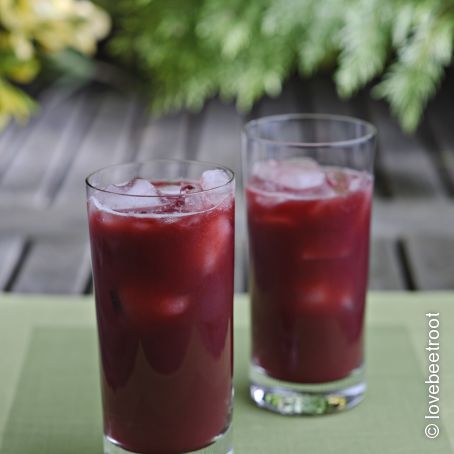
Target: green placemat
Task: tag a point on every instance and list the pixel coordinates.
(54, 405)
(390, 419)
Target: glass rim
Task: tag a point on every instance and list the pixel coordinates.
(370, 133)
(213, 166)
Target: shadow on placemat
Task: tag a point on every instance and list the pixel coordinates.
(57, 410)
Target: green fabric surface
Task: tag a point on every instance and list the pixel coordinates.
(389, 420)
(56, 406)
(49, 391)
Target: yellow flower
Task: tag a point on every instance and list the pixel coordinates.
(17, 44)
(53, 24)
(95, 25)
(27, 26)
(22, 47)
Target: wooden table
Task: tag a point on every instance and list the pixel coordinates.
(43, 238)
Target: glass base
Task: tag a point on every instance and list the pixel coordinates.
(222, 444)
(288, 398)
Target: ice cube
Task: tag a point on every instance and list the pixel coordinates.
(217, 237)
(143, 305)
(215, 178)
(139, 194)
(315, 294)
(195, 203)
(189, 188)
(357, 182)
(265, 170)
(140, 187)
(296, 174)
(214, 182)
(318, 295)
(172, 306)
(170, 189)
(335, 243)
(338, 180)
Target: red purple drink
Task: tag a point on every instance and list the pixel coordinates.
(162, 255)
(309, 248)
(309, 258)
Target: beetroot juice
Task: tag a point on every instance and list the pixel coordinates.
(309, 237)
(162, 255)
(308, 180)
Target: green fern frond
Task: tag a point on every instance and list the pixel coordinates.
(283, 16)
(365, 40)
(414, 78)
(320, 41)
(189, 50)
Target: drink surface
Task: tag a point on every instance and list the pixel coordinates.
(309, 242)
(163, 273)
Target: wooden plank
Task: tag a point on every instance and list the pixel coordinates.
(327, 101)
(41, 161)
(440, 124)
(241, 243)
(107, 142)
(242, 251)
(7, 148)
(13, 138)
(85, 108)
(11, 248)
(396, 219)
(430, 259)
(385, 271)
(24, 220)
(295, 98)
(220, 135)
(165, 137)
(408, 165)
(55, 265)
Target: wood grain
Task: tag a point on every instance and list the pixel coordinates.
(407, 163)
(11, 248)
(55, 265)
(43, 226)
(431, 261)
(385, 271)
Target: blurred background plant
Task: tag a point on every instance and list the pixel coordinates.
(189, 50)
(37, 33)
(182, 52)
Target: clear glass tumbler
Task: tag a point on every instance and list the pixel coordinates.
(162, 235)
(309, 183)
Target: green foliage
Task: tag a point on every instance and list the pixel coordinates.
(188, 50)
(13, 103)
(423, 37)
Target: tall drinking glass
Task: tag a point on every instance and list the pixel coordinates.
(309, 190)
(162, 237)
